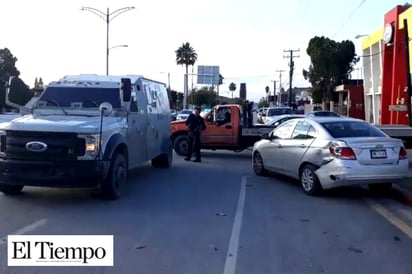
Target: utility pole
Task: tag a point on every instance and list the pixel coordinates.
(291, 66)
(274, 92)
(280, 86)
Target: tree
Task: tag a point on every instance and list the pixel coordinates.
(175, 99)
(20, 92)
(331, 63)
(7, 65)
(263, 103)
(186, 55)
(204, 96)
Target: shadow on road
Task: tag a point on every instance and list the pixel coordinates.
(347, 192)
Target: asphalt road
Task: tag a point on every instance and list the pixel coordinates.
(218, 217)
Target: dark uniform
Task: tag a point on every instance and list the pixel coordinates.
(196, 125)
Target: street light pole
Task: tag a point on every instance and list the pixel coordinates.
(168, 78)
(107, 17)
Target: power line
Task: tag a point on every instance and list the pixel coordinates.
(350, 17)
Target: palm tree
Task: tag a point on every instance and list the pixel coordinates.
(232, 88)
(186, 55)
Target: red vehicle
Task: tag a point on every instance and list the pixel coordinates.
(224, 131)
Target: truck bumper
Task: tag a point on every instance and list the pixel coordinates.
(75, 174)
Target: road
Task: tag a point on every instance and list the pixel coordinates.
(218, 217)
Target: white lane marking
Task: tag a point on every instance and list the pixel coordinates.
(25, 229)
(231, 256)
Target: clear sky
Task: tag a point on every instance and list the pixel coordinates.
(245, 38)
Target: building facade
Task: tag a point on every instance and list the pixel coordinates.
(386, 54)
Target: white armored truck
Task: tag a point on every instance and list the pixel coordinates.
(86, 131)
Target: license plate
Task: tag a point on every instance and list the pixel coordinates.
(378, 154)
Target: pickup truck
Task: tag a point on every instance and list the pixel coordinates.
(85, 131)
(224, 131)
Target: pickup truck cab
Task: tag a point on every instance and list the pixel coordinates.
(224, 131)
(85, 131)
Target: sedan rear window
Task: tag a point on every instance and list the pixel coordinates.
(347, 129)
(279, 111)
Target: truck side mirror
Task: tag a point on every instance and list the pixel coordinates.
(15, 92)
(126, 89)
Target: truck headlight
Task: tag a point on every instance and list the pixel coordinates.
(92, 142)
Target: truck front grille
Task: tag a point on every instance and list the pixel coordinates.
(60, 146)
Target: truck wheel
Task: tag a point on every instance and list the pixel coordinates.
(10, 189)
(163, 160)
(110, 187)
(180, 145)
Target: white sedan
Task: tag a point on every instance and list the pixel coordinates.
(329, 152)
(183, 114)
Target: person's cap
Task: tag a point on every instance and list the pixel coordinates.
(197, 108)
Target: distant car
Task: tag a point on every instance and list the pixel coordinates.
(173, 116)
(183, 114)
(278, 120)
(327, 152)
(277, 111)
(322, 113)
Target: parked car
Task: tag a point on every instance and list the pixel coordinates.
(322, 113)
(183, 114)
(327, 152)
(173, 115)
(275, 121)
(278, 120)
(276, 111)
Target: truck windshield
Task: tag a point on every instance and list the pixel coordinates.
(88, 96)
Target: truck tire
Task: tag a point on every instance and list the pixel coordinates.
(11, 189)
(118, 173)
(180, 145)
(163, 160)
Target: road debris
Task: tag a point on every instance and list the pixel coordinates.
(356, 250)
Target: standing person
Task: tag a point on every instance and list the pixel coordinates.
(244, 113)
(196, 125)
(250, 114)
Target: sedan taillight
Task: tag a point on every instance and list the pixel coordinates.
(344, 153)
(403, 154)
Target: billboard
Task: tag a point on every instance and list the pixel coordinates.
(208, 75)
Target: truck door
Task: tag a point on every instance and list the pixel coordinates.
(221, 132)
(137, 122)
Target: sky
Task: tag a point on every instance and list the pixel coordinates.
(246, 39)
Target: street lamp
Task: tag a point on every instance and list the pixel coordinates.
(360, 35)
(107, 17)
(118, 46)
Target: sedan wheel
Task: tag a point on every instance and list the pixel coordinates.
(309, 181)
(258, 165)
